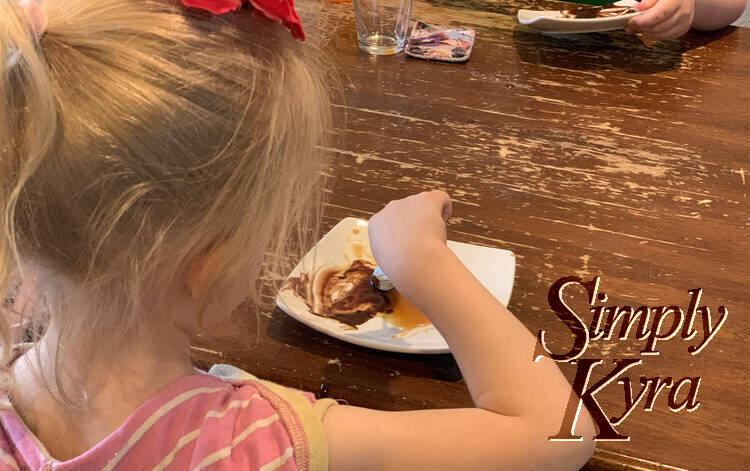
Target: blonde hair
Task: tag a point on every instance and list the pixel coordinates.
(136, 135)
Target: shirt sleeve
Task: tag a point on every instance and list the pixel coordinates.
(301, 414)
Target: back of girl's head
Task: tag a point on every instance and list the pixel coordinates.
(137, 135)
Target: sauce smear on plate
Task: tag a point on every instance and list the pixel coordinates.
(344, 293)
(402, 313)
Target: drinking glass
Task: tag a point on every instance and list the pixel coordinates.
(382, 25)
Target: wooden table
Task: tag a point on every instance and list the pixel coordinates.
(589, 155)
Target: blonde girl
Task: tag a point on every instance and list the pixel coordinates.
(157, 157)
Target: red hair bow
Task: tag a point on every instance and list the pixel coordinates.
(278, 10)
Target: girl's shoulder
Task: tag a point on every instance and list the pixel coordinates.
(224, 419)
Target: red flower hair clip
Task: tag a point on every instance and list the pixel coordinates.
(278, 10)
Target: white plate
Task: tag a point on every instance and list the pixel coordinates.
(555, 22)
(494, 268)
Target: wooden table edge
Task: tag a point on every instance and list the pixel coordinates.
(604, 460)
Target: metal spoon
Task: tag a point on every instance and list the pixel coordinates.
(380, 280)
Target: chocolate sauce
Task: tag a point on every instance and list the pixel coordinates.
(348, 295)
(344, 294)
(606, 11)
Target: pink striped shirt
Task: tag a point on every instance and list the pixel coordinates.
(224, 420)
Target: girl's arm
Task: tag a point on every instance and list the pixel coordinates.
(715, 14)
(518, 403)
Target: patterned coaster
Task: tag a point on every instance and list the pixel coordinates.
(439, 43)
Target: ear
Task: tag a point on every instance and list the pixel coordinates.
(198, 273)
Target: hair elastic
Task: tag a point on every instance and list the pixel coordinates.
(38, 23)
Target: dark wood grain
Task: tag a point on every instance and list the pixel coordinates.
(587, 155)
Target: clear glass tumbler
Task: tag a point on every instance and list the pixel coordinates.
(382, 25)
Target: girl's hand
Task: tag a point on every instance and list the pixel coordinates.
(404, 232)
(663, 19)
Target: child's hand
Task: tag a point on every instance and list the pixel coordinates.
(406, 230)
(663, 19)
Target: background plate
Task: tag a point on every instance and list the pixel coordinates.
(552, 21)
